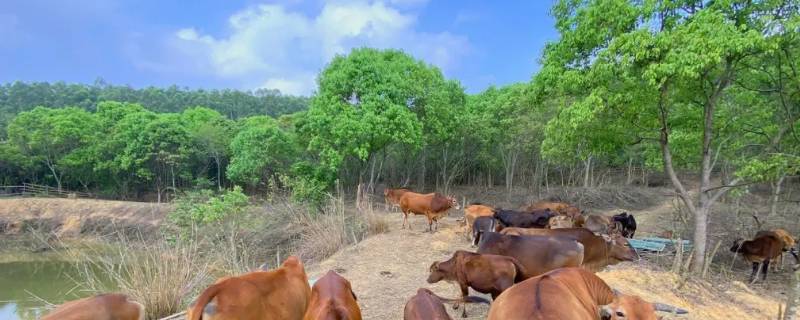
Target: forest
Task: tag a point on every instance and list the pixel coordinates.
(705, 92)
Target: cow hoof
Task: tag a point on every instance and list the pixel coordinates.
(455, 306)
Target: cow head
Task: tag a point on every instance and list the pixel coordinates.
(436, 274)
(453, 203)
(737, 245)
(619, 249)
(627, 307)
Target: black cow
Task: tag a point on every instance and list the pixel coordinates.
(481, 225)
(627, 222)
(533, 219)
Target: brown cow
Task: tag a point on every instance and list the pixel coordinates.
(560, 222)
(562, 208)
(100, 307)
(474, 211)
(391, 197)
(537, 254)
(569, 294)
(599, 224)
(788, 246)
(598, 251)
(332, 298)
(432, 205)
(766, 246)
(282, 293)
(485, 273)
(426, 305)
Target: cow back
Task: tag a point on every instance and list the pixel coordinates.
(567, 293)
(332, 298)
(425, 306)
(537, 254)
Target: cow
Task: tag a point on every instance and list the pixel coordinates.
(481, 225)
(485, 273)
(533, 219)
(432, 205)
(282, 293)
(599, 251)
(560, 222)
(426, 305)
(474, 211)
(627, 224)
(99, 307)
(596, 223)
(391, 197)
(788, 245)
(536, 254)
(570, 294)
(766, 246)
(562, 208)
(332, 298)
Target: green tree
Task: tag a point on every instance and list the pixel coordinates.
(212, 135)
(657, 71)
(55, 137)
(261, 150)
(368, 100)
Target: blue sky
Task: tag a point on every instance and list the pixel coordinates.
(246, 44)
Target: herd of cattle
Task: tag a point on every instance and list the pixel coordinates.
(536, 263)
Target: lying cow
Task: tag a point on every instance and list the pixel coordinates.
(626, 222)
(570, 294)
(475, 211)
(561, 208)
(536, 254)
(391, 197)
(100, 307)
(332, 297)
(282, 293)
(598, 251)
(533, 219)
(426, 305)
(485, 273)
(481, 225)
(432, 205)
(762, 249)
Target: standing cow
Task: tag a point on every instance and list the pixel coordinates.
(432, 205)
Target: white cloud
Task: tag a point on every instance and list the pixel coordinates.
(274, 47)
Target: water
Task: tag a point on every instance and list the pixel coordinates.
(50, 279)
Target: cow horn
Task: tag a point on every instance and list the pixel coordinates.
(668, 308)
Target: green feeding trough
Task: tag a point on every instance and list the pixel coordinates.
(659, 244)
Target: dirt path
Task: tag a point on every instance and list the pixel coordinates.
(387, 269)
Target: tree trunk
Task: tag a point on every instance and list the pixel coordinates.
(776, 193)
(219, 175)
(52, 168)
(587, 172)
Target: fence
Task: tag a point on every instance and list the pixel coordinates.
(36, 190)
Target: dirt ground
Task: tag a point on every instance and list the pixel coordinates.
(387, 269)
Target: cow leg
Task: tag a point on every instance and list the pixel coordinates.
(766, 268)
(405, 219)
(754, 273)
(464, 293)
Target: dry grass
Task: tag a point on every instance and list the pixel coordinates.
(158, 275)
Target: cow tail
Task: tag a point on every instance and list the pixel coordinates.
(197, 311)
(521, 272)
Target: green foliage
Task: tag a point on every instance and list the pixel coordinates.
(202, 207)
(261, 150)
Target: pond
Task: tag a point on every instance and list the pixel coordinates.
(27, 279)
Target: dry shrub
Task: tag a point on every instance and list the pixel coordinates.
(159, 275)
(376, 224)
(605, 197)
